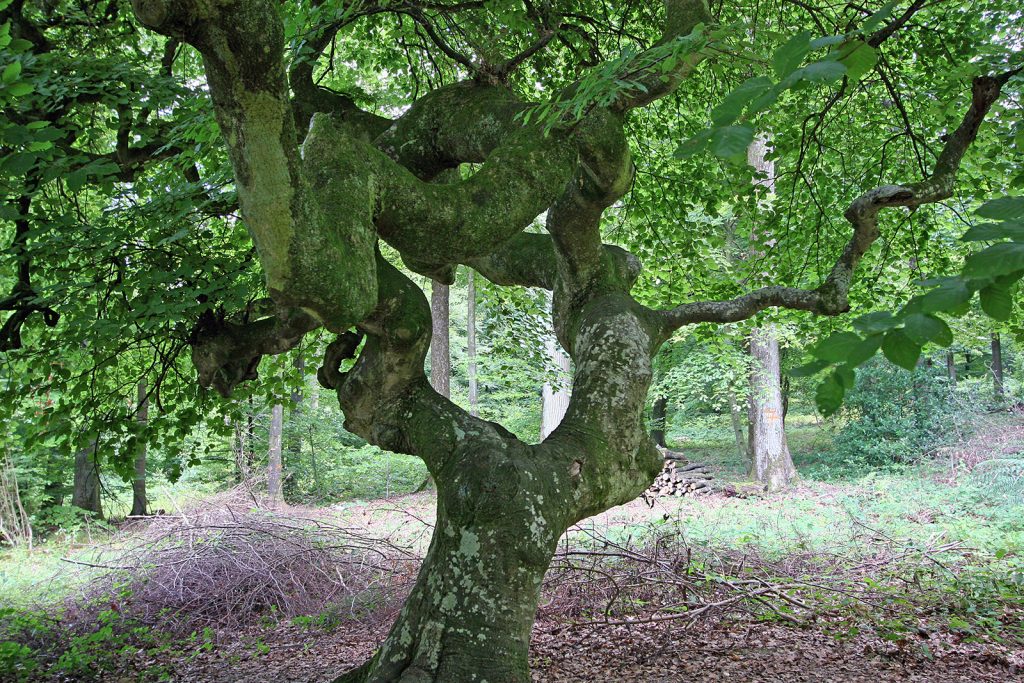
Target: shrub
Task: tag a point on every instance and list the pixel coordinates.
(891, 418)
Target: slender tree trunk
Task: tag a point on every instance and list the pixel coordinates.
(658, 411)
(997, 368)
(440, 350)
(771, 462)
(737, 425)
(471, 345)
(86, 494)
(555, 397)
(295, 433)
(274, 453)
(951, 367)
(139, 502)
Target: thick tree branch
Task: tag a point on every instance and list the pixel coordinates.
(830, 298)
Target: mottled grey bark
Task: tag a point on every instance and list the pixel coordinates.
(139, 502)
(86, 492)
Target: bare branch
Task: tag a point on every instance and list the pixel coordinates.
(830, 298)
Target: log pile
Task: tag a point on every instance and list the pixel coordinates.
(680, 477)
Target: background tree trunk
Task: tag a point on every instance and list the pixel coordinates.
(139, 503)
(471, 344)
(951, 367)
(440, 351)
(737, 426)
(658, 411)
(555, 397)
(86, 493)
(771, 462)
(274, 453)
(997, 368)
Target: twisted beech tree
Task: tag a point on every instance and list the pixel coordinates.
(321, 183)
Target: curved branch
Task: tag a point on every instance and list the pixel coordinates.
(831, 297)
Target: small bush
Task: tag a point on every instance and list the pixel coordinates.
(891, 418)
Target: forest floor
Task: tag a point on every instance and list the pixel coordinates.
(916, 576)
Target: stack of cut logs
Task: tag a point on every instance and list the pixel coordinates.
(680, 477)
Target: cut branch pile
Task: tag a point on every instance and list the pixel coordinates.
(228, 563)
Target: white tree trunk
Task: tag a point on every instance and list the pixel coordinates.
(555, 397)
(771, 462)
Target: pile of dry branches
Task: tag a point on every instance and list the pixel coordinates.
(229, 562)
(597, 579)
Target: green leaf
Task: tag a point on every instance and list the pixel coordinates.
(823, 72)
(732, 106)
(859, 59)
(871, 323)
(846, 376)
(826, 41)
(20, 89)
(923, 328)
(829, 396)
(11, 72)
(1013, 230)
(790, 55)
(999, 259)
(948, 295)
(837, 347)
(864, 351)
(76, 179)
(1002, 209)
(694, 145)
(901, 349)
(876, 19)
(731, 142)
(997, 301)
(812, 368)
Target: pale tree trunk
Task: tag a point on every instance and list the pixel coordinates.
(951, 367)
(440, 351)
(139, 503)
(659, 408)
(86, 494)
(770, 460)
(274, 453)
(997, 368)
(555, 397)
(771, 463)
(471, 345)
